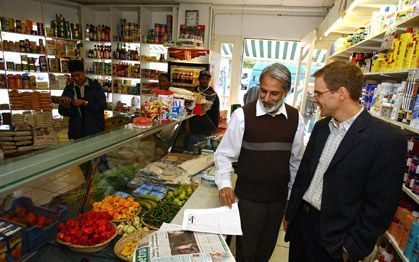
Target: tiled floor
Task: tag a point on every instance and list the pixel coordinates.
(280, 253)
(43, 190)
(281, 250)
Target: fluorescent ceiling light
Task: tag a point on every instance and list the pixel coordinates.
(332, 27)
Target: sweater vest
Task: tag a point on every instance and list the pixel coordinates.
(263, 165)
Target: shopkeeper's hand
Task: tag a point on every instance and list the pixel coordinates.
(226, 196)
(187, 127)
(79, 102)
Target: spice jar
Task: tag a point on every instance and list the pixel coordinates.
(11, 81)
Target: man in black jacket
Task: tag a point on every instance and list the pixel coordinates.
(350, 178)
(84, 102)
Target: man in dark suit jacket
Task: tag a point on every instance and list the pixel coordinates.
(84, 102)
(350, 179)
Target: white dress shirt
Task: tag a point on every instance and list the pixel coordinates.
(81, 89)
(230, 146)
(313, 195)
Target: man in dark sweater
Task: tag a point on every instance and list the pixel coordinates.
(266, 138)
(199, 128)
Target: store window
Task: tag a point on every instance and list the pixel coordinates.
(259, 53)
(224, 77)
(318, 60)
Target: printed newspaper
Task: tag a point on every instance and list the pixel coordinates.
(182, 246)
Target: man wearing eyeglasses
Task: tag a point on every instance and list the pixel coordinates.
(265, 137)
(349, 182)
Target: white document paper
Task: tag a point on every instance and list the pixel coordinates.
(221, 220)
(169, 227)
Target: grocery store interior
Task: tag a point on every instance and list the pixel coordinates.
(140, 168)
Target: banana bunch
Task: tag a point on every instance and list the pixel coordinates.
(148, 203)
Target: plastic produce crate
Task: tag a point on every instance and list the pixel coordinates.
(34, 237)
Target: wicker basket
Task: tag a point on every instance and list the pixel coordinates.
(127, 219)
(136, 236)
(89, 249)
(148, 225)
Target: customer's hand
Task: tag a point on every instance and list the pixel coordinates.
(79, 102)
(226, 196)
(285, 224)
(345, 256)
(65, 101)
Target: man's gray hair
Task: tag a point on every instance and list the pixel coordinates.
(279, 72)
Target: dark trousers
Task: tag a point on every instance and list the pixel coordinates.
(305, 240)
(260, 223)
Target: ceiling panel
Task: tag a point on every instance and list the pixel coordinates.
(319, 3)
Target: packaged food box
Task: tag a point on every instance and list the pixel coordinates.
(178, 107)
(37, 233)
(165, 99)
(11, 241)
(148, 191)
(150, 107)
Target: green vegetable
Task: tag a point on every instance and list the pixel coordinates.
(164, 212)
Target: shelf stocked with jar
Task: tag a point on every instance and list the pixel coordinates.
(396, 247)
(126, 61)
(99, 75)
(68, 57)
(107, 60)
(24, 53)
(127, 43)
(99, 33)
(24, 72)
(393, 74)
(373, 43)
(411, 194)
(96, 42)
(6, 33)
(153, 62)
(127, 78)
(394, 122)
(149, 80)
(62, 39)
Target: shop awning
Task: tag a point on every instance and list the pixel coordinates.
(278, 51)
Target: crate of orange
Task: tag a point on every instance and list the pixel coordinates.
(121, 209)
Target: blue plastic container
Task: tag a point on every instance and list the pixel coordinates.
(34, 237)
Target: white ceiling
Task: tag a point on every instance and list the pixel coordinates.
(310, 3)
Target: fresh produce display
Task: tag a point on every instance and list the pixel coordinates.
(126, 246)
(114, 179)
(148, 203)
(90, 228)
(167, 209)
(118, 207)
(180, 195)
(131, 226)
(28, 218)
(164, 212)
(129, 249)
